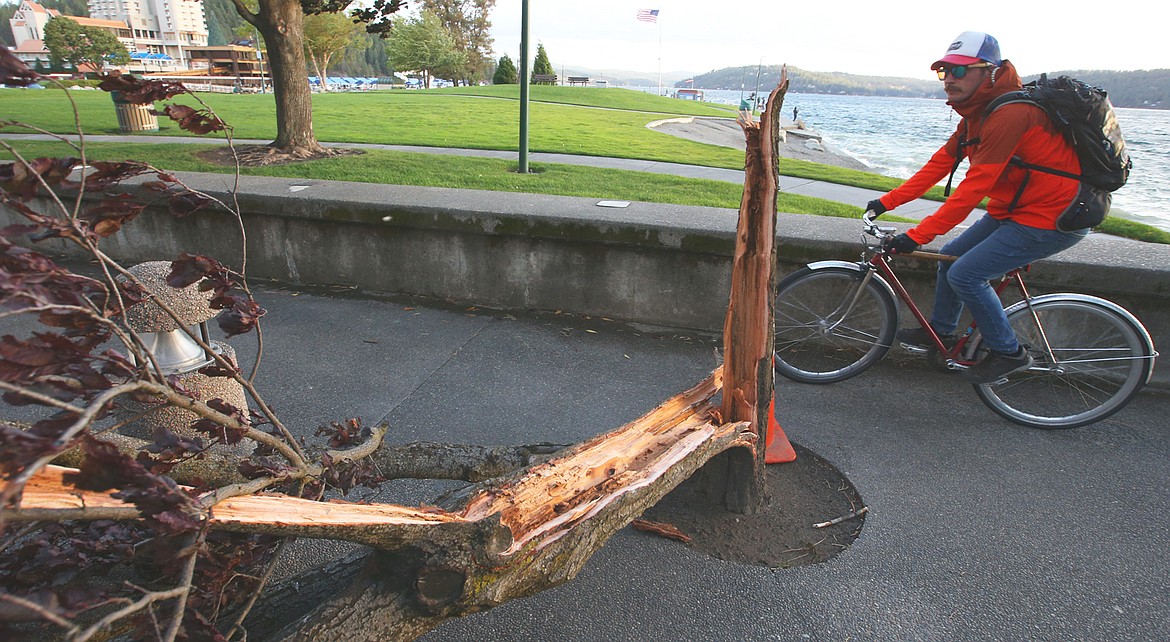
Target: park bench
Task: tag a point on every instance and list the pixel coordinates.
(578, 80)
(544, 79)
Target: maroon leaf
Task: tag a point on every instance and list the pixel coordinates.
(13, 71)
(111, 213)
(192, 268)
(196, 121)
(186, 203)
(23, 180)
(106, 173)
(241, 318)
(139, 91)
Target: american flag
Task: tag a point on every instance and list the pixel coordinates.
(648, 15)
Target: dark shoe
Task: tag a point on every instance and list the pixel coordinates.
(920, 338)
(996, 366)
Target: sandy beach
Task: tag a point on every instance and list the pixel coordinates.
(802, 144)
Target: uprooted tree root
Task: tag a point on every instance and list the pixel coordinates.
(265, 155)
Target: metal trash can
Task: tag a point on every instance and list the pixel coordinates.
(133, 117)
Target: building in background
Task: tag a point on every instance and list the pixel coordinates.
(156, 33)
(161, 27)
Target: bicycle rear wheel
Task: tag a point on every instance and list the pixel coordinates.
(826, 331)
(1103, 357)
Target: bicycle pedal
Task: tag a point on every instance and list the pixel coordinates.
(908, 347)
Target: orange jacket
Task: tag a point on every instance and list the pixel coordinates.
(1016, 129)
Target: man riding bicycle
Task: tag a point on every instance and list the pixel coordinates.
(1020, 225)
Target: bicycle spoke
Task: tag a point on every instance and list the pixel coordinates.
(825, 329)
(1098, 361)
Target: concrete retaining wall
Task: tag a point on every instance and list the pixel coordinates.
(649, 263)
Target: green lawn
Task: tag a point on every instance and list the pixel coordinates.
(443, 118)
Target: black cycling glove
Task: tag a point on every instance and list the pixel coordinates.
(876, 207)
(900, 244)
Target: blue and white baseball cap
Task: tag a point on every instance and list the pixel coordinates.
(969, 48)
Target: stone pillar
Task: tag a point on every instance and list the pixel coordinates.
(178, 355)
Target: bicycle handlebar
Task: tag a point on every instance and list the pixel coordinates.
(880, 232)
(875, 230)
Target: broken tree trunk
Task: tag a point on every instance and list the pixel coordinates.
(509, 539)
(749, 328)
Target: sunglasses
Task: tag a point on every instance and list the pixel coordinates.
(958, 71)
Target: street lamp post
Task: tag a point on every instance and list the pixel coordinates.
(524, 87)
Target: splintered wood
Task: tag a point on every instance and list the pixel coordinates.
(545, 500)
(748, 328)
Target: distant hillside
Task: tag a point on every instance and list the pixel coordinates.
(624, 77)
(1147, 88)
(817, 82)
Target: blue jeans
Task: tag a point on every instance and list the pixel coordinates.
(987, 250)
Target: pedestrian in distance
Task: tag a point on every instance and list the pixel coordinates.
(1023, 206)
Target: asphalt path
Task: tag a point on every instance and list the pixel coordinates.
(978, 529)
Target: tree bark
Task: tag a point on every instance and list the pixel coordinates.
(508, 539)
(282, 24)
(749, 327)
(557, 515)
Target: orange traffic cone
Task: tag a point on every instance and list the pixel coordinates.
(777, 449)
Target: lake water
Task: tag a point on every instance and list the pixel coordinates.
(896, 136)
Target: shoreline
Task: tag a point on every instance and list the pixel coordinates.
(802, 144)
(799, 143)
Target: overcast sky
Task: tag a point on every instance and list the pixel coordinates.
(873, 37)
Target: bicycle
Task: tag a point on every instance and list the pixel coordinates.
(835, 319)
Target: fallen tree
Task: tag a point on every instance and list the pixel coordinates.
(531, 520)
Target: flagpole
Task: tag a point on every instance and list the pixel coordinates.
(659, 57)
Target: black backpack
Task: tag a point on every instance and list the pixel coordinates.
(1084, 115)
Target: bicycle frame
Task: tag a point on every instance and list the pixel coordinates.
(954, 356)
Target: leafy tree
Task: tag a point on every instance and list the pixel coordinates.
(67, 7)
(470, 26)
(282, 25)
(368, 58)
(223, 22)
(423, 44)
(78, 45)
(542, 67)
(506, 73)
(6, 13)
(325, 35)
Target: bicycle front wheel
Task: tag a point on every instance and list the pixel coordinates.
(1100, 357)
(829, 328)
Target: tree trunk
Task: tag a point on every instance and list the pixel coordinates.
(320, 74)
(282, 24)
(504, 540)
(749, 328)
(535, 530)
